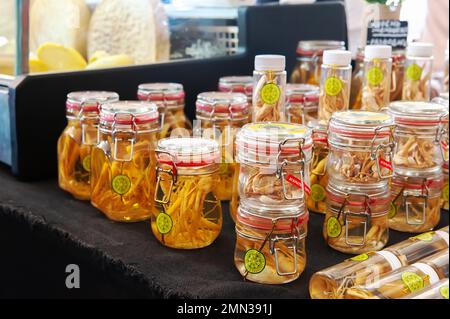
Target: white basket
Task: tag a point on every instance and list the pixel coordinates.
(226, 36)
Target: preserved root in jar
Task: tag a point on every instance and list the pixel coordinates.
(302, 103)
(416, 202)
(438, 290)
(415, 152)
(193, 210)
(445, 189)
(77, 140)
(269, 88)
(270, 251)
(357, 82)
(235, 198)
(334, 103)
(404, 281)
(398, 76)
(176, 124)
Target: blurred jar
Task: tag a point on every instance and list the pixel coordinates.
(419, 69)
(357, 81)
(237, 84)
(302, 103)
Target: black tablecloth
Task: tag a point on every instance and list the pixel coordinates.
(43, 229)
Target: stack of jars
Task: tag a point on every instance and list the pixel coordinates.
(271, 221)
(359, 169)
(420, 135)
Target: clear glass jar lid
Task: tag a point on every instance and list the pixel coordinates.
(161, 92)
(219, 105)
(302, 93)
(361, 124)
(264, 220)
(188, 152)
(237, 84)
(418, 113)
(129, 113)
(316, 47)
(89, 101)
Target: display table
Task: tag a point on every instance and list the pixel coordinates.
(43, 229)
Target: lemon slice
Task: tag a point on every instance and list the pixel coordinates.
(35, 65)
(60, 58)
(112, 61)
(97, 55)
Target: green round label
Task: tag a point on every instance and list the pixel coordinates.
(444, 292)
(412, 281)
(334, 227)
(318, 193)
(375, 76)
(414, 72)
(121, 184)
(392, 211)
(333, 86)
(425, 236)
(164, 223)
(445, 193)
(361, 257)
(254, 261)
(270, 93)
(87, 163)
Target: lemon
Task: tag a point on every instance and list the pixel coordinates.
(35, 65)
(60, 58)
(164, 223)
(97, 55)
(254, 261)
(112, 61)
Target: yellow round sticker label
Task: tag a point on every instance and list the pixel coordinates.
(254, 261)
(334, 227)
(412, 281)
(444, 292)
(425, 236)
(121, 184)
(445, 193)
(87, 163)
(375, 76)
(414, 72)
(270, 93)
(392, 211)
(318, 193)
(333, 86)
(361, 257)
(164, 223)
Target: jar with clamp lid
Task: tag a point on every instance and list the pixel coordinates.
(420, 135)
(237, 84)
(220, 116)
(416, 200)
(317, 201)
(77, 140)
(309, 60)
(356, 221)
(335, 83)
(269, 88)
(270, 247)
(361, 145)
(169, 97)
(302, 103)
(123, 162)
(188, 214)
(274, 163)
(419, 69)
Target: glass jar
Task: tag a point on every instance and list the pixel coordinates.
(302, 103)
(357, 81)
(356, 221)
(416, 200)
(361, 145)
(123, 162)
(270, 247)
(169, 97)
(420, 134)
(398, 74)
(335, 83)
(274, 165)
(419, 69)
(377, 77)
(309, 60)
(404, 281)
(188, 214)
(332, 282)
(237, 84)
(77, 140)
(445, 190)
(438, 290)
(269, 88)
(317, 201)
(446, 70)
(221, 115)
(443, 100)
